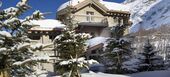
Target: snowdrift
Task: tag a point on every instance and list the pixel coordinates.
(142, 74)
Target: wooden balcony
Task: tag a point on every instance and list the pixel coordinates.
(92, 19)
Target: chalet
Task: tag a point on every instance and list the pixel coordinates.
(96, 17)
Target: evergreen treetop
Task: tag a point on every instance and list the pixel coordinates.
(150, 59)
(70, 46)
(118, 50)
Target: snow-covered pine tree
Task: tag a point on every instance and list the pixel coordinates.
(16, 53)
(150, 60)
(118, 51)
(167, 58)
(70, 47)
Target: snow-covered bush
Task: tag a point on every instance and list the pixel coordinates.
(132, 65)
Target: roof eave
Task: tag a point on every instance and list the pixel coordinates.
(65, 10)
(101, 6)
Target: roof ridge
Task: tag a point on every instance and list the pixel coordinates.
(107, 4)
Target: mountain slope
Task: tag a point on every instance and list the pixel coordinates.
(149, 13)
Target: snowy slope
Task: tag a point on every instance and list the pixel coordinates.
(149, 13)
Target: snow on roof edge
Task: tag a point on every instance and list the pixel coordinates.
(109, 5)
(96, 40)
(48, 23)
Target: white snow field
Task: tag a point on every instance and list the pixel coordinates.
(102, 75)
(142, 74)
(152, 74)
(164, 73)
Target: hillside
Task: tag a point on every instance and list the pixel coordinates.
(149, 13)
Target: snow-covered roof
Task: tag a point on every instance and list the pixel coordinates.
(96, 40)
(108, 5)
(70, 2)
(47, 24)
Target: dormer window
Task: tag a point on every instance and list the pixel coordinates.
(90, 16)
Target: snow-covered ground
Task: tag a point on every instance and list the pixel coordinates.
(142, 74)
(164, 73)
(102, 75)
(152, 74)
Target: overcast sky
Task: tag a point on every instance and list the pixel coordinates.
(42, 5)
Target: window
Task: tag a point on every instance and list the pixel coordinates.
(52, 37)
(34, 37)
(93, 52)
(92, 34)
(89, 16)
(93, 57)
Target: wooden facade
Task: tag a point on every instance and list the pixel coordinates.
(100, 15)
(96, 19)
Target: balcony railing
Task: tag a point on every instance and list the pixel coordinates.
(90, 18)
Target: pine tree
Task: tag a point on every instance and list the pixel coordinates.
(167, 58)
(118, 50)
(70, 47)
(16, 53)
(149, 58)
